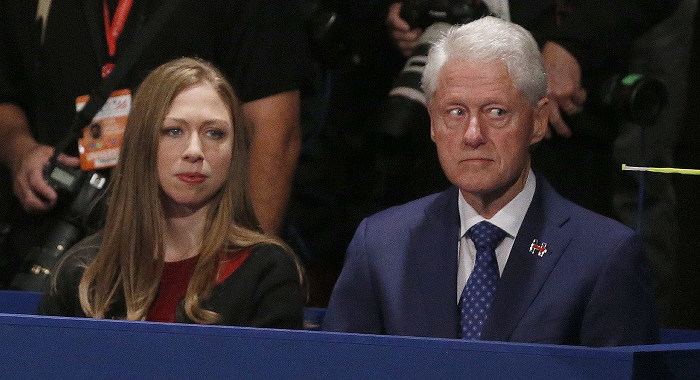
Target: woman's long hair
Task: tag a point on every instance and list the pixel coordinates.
(130, 259)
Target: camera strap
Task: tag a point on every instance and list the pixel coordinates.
(121, 68)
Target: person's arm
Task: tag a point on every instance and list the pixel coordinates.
(26, 159)
(401, 33)
(274, 151)
(564, 89)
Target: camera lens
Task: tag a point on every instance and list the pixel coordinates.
(635, 97)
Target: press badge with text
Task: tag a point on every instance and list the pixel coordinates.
(99, 145)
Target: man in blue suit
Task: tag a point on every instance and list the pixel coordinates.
(567, 275)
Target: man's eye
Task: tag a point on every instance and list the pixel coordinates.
(455, 118)
(456, 112)
(497, 112)
(215, 134)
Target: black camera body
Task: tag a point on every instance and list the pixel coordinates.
(62, 178)
(330, 36)
(423, 13)
(403, 127)
(80, 196)
(405, 113)
(82, 190)
(633, 97)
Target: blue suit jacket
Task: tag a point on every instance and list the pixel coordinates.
(590, 288)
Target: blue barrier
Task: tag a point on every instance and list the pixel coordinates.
(58, 347)
(17, 302)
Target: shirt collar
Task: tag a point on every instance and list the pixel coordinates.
(509, 218)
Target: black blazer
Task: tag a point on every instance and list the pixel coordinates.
(264, 291)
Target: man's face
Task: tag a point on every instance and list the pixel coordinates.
(482, 128)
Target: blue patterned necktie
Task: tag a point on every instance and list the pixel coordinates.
(481, 286)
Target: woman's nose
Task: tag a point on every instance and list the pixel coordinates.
(193, 150)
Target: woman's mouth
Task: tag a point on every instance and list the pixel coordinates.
(191, 177)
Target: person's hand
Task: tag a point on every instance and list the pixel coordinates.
(403, 36)
(563, 86)
(35, 195)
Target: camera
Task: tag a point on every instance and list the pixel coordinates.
(405, 114)
(633, 97)
(423, 13)
(329, 35)
(405, 110)
(403, 125)
(80, 198)
(62, 178)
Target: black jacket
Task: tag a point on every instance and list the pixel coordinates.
(263, 292)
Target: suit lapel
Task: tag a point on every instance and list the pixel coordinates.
(525, 273)
(432, 268)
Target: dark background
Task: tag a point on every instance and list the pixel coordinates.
(685, 311)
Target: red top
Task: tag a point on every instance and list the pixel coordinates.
(175, 278)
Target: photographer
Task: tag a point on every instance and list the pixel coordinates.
(258, 45)
(583, 44)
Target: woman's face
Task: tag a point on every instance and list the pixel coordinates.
(194, 154)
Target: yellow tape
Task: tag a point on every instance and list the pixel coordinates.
(661, 170)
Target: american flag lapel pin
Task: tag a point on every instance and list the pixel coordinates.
(538, 248)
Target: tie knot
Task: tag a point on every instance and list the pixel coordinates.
(486, 235)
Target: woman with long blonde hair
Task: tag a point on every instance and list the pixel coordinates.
(181, 240)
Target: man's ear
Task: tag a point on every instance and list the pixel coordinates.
(430, 114)
(540, 121)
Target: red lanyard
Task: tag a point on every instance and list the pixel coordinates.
(113, 29)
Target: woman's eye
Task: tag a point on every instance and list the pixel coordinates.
(172, 131)
(215, 134)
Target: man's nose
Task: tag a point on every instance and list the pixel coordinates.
(473, 134)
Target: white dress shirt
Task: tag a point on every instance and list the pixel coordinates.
(509, 219)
